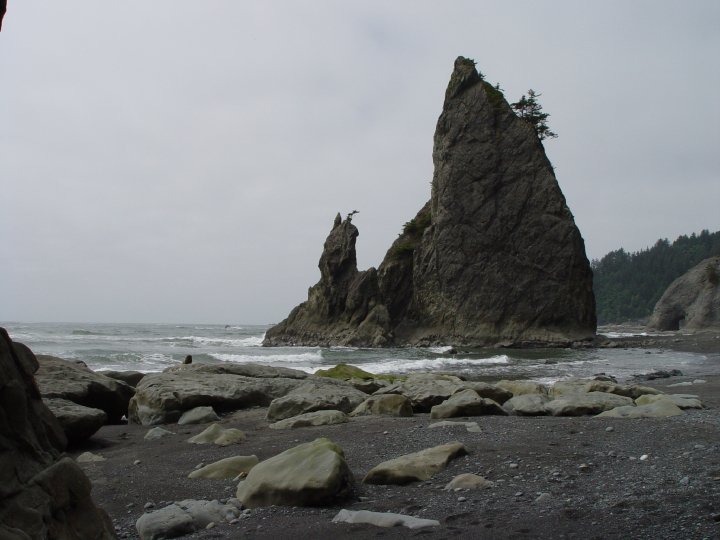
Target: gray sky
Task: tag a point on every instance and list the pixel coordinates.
(177, 161)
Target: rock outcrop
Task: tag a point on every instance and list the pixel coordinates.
(692, 301)
(42, 494)
(493, 258)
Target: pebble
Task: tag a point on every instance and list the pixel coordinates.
(149, 505)
(644, 457)
(513, 465)
(130, 505)
(685, 480)
(137, 462)
(609, 429)
(199, 466)
(462, 499)
(210, 525)
(584, 467)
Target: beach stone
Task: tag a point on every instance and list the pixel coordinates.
(466, 403)
(78, 422)
(369, 386)
(658, 409)
(588, 403)
(527, 405)
(74, 381)
(183, 517)
(489, 391)
(383, 519)
(384, 405)
(311, 474)
(161, 398)
(317, 418)
(681, 401)
(131, 378)
(471, 427)
(425, 390)
(217, 435)
(43, 494)
(226, 468)
(632, 391)
(89, 457)
(570, 387)
(468, 481)
(316, 395)
(418, 466)
(517, 388)
(198, 415)
(157, 433)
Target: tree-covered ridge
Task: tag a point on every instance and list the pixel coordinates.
(628, 285)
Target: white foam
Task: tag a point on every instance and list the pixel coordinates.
(441, 350)
(296, 360)
(252, 341)
(431, 364)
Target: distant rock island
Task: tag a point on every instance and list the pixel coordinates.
(692, 301)
(494, 258)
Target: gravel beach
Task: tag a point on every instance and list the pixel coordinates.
(554, 477)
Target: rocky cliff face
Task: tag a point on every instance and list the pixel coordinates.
(692, 301)
(42, 493)
(493, 258)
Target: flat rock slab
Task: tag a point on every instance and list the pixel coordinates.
(316, 395)
(226, 468)
(215, 434)
(157, 433)
(418, 466)
(317, 418)
(659, 409)
(466, 403)
(183, 517)
(527, 405)
(311, 474)
(468, 481)
(471, 427)
(384, 405)
(682, 401)
(78, 422)
(517, 388)
(198, 415)
(588, 403)
(383, 519)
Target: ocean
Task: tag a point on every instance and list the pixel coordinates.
(154, 347)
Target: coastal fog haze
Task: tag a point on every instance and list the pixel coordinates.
(172, 161)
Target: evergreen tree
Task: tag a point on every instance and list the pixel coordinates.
(529, 109)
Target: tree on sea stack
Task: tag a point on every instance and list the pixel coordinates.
(529, 109)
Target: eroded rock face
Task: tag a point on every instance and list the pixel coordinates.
(42, 495)
(494, 257)
(692, 301)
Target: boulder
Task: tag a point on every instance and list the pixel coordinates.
(227, 468)
(468, 481)
(632, 391)
(493, 257)
(183, 517)
(161, 398)
(489, 391)
(383, 519)
(692, 301)
(79, 423)
(316, 395)
(425, 390)
(384, 405)
(587, 403)
(517, 388)
(198, 415)
(466, 403)
(680, 400)
(317, 418)
(42, 493)
(659, 409)
(415, 467)
(527, 405)
(214, 434)
(74, 381)
(89, 457)
(311, 474)
(157, 433)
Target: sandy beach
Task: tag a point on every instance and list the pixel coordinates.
(554, 477)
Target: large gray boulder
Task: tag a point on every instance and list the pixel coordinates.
(311, 474)
(425, 390)
(316, 395)
(162, 398)
(415, 467)
(384, 405)
(493, 257)
(42, 494)
(466, 403)
(586, 403)
(74, 381)
(79, 423)
(692, 301)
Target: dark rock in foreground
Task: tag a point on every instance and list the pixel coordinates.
(692, 301)
(493, 258)
(42, 494)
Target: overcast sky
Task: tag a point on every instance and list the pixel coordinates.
(177, 161)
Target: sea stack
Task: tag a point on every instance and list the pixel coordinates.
(494, 258)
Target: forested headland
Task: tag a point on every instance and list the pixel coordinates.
(628, 285)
